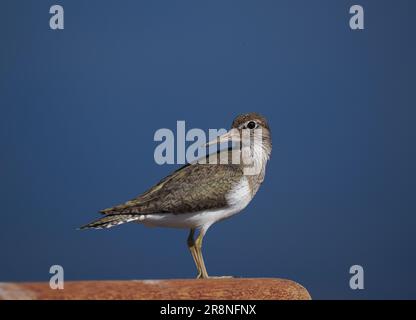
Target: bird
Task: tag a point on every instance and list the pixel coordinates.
(203, 192)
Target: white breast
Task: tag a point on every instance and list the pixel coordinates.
(238, 198)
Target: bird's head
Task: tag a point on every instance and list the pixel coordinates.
(248, 129)
(250, 121)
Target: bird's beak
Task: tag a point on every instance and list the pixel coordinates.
(232, 135)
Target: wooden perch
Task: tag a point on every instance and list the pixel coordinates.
(209, 289)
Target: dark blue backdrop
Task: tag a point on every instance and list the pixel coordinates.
(79, 107)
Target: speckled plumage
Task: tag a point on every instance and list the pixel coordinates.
(204, 192)
(197, 188)
(192, 188)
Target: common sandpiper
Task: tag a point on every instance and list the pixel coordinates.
(203, 192)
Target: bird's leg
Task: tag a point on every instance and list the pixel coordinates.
(196, 251)
(198, 245)
(192, 248)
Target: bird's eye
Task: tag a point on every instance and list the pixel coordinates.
(251, 125)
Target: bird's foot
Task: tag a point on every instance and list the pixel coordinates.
(200, 276)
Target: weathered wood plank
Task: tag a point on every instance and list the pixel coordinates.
(209, 289)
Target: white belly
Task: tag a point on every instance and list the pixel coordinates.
(237, 200)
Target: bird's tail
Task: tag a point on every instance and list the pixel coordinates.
(111, 220)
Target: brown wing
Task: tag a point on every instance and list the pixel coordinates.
(192, 188)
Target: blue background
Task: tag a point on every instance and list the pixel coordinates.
(79, 107)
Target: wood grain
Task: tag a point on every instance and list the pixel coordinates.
(209, 289)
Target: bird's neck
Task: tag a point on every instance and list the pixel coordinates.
(255, 157)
